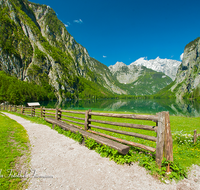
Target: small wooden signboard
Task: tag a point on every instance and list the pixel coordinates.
(33, 104)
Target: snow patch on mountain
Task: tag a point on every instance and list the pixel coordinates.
(166, 66)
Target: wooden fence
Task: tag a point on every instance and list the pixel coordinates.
(163, 137)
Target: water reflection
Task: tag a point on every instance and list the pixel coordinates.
(149, 106)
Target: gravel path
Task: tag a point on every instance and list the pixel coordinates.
(61, 163)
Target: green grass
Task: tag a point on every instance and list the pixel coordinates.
(14, 145)
(185, 153)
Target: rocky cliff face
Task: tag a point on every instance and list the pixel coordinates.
(187, 81)
(35, 46)
(167, 66)
(125, 74)
(139, 80)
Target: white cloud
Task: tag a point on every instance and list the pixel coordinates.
(181, 56)
(78, 21)
(104, 56)
(67, 25)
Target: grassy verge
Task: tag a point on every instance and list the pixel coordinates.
(185, 152)
(14, 154)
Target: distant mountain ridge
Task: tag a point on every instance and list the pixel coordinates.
(139, 80)
(166, 66)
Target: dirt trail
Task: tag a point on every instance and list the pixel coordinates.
(61, 163)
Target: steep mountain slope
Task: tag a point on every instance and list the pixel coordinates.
(187, 83)
(167, 66)
(139, 80)
(35, 46)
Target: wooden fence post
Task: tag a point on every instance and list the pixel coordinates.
(195, 136)
(4, 106)
(87, 117)
(160, 138)
(41, 110)
(22, 110)
(33, 111)
(56, 116)
(59, 114)
(168, 144)
(164, 146)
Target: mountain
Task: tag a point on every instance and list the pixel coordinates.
(167, 66)
(35, 46)
(139, 80)
(187, 83)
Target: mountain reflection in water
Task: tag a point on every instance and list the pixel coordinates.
(147, 106)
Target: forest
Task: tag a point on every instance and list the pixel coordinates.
(16, 91)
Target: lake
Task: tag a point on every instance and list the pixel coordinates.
(148, 106)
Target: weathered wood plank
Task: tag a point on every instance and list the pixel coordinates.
(73, 121)
(137, 126)
(28, 108)
(126, 142)
(123, 149)
(50, 113)
(77, 112)
(25, 111)
(151, 138)
(168, 144)
(73, 125)
(49, 109)
(52, 116)
(74, 117)
(129, 116)
(160, 138)
(56, 115)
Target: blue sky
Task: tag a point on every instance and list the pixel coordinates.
(125, 30)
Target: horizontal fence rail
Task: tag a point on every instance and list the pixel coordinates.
(84, 121)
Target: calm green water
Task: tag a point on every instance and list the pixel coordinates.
(136, 106)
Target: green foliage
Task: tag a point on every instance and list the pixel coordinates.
(192, 44)
(92, 90)
(16, 91)
(14, 144)
(13, 41)
(195, 94)
(145, 159)
(165, 93)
